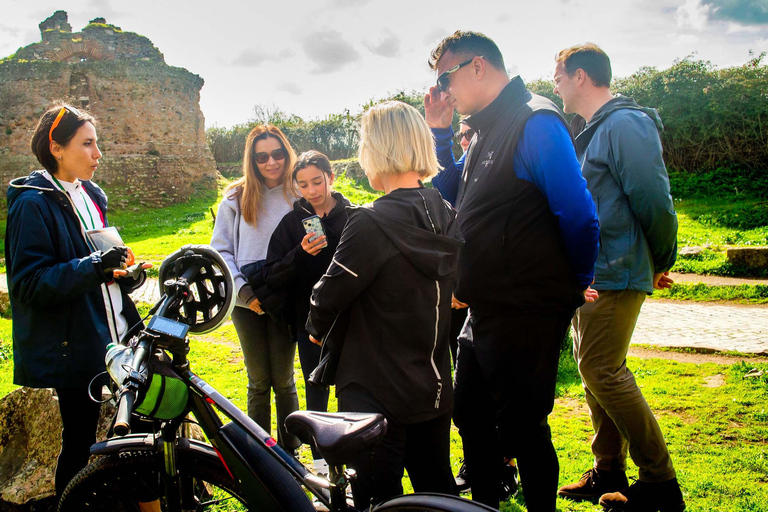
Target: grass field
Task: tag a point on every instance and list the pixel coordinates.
(715, 421)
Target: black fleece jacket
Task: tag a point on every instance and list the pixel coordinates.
(289, 268)
(392, 276)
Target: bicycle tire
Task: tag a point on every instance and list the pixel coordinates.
(113, 482)
(431, 502)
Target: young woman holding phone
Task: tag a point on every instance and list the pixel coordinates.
(296, 260)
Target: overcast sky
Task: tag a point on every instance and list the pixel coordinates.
(319, 57)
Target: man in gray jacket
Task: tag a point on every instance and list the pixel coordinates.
(621, 158)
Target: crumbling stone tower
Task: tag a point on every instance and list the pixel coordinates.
(151, 130)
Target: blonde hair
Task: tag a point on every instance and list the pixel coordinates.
(249, 189)
(395, 139)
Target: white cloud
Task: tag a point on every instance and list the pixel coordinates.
(693, 14)
(329, 51)
(386, 46)
(290, 88)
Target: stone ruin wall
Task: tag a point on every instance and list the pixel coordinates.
(150, 127)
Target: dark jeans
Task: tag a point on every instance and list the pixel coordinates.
(79, 420)
(317, 397)
(421, 448)
(504, 391)
(269, 354)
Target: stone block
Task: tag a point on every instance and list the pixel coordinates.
(691, 252)
(752, 257)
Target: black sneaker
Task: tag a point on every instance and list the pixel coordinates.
(646, 497)
(509, 482)
(462, 479)
(593, 484)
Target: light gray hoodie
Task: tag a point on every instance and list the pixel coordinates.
(240, 243)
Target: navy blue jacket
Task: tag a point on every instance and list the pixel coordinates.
(57, 287)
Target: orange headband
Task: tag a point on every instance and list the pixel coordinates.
(56, 123)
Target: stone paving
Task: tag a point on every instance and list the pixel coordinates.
(703, 326)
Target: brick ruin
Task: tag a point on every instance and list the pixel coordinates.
(150, 126)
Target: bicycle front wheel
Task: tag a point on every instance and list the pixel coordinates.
(122, 481)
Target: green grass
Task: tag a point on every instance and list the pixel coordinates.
(700, 292)
(699, 225)
(716, 434)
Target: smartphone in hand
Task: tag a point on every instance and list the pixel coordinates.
(313, 225)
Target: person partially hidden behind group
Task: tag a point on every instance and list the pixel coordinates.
(393, 274)
(69, 300)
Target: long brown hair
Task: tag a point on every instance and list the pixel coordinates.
(249, 189)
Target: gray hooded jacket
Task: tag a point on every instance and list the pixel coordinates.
(621, 159)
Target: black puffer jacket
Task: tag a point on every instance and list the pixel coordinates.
(57, 286)
(392, 274)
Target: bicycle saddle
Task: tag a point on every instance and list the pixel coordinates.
(339, 437)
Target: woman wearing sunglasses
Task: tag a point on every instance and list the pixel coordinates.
(69, 300)
(251, 210)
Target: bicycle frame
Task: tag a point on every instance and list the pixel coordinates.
(270, 475)
(271, 479)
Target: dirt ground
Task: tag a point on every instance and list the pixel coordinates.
(716, 280)
(692, 357)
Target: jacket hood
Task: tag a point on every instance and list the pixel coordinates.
(422, 227)
(35, 181)
(303, 207)
(620, 102)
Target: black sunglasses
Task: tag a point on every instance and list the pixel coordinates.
(263, 157)
(467, 134)
(444, 80)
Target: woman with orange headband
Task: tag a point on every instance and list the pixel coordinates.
(69, 299)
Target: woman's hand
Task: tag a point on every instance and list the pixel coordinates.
(315, 340)
(114, 260)
(457, 304)
(316, 246)
(130, 260)
(255, 306)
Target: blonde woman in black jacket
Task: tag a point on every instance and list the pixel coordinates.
(392, 274)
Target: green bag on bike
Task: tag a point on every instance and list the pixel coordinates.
(165, 394)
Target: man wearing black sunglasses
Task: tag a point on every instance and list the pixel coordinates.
(530, 230)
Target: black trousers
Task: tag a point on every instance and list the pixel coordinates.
(309, 356)
(79, 419)
(504, 390)
(421, 448)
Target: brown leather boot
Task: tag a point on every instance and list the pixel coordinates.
(646, 497)
(593, 484)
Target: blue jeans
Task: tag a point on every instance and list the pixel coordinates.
(269, 354)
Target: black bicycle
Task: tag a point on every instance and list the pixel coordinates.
(242, 468)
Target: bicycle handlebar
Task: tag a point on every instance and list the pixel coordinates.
(129, 389)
